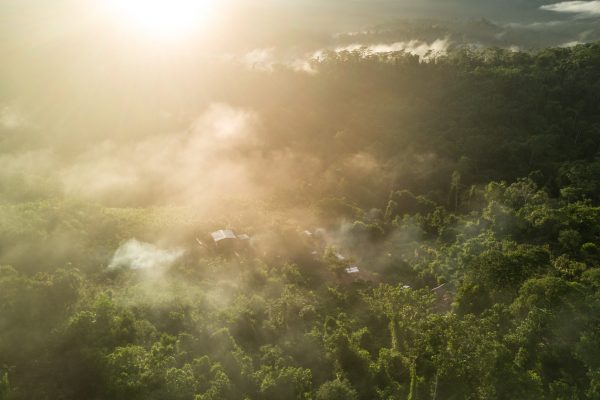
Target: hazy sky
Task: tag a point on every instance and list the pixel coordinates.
(28, 25)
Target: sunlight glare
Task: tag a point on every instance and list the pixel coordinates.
(164, 19)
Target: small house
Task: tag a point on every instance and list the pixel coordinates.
(223, 234)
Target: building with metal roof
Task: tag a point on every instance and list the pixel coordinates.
(223, 234)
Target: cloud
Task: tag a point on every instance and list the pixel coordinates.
(139, 255)
(582, 8)
(262, 59)
(223, 157)
(265, 59)
(571, 44)
(416, 47)
(544, 25)
(208, 161)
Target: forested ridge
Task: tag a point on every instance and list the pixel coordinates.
(465, 187)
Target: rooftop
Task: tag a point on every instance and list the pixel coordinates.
(223, 234)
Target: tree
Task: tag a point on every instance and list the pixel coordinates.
(4, 386)
(337, 390)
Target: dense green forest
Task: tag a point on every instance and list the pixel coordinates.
(465, 188)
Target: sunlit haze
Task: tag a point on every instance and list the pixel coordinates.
(163, 19)
(299, 199)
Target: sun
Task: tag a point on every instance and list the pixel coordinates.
(164, 19)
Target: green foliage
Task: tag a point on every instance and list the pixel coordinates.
(335, 208)
(4, 387)
(336, 390)
(479, 272)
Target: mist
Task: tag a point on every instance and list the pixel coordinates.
(305, 200)
(138, 255)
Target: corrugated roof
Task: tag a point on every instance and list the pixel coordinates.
(223, 234)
